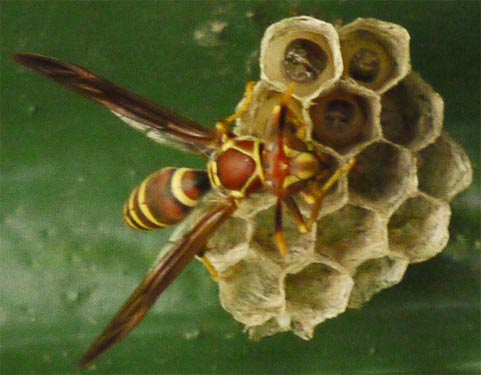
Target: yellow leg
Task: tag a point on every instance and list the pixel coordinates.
(338, 174)
(300, 125)
(279, 237)
(208, 265)
(320, 193)
(296, 213)
(307, 194)
(223, 126)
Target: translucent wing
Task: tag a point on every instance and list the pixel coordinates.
(199, 227)
(159, 124)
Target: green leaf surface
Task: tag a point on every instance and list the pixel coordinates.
(68, 262)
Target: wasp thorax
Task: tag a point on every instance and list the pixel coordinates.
(287, 165)
(235, 167)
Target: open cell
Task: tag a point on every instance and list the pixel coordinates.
(351, 236)
(316, 293)
(345, 117)
(300, 245)
(304, 61)
(251, 290)
(375, 53)
(383, 176)
(375, 275)
(412, 113)
(444, 169)
(257, 121)
(229, 244)
(301, 50)
(419, 228)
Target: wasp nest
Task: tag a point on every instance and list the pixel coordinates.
(358, 98)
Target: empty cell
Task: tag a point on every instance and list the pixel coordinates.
(375, 275)
(316, 293)
(382, 177)
(251, 290)
(412, 113)
(351, 236)
(418, 229)
(300, 245)
(258, 120)
(444, 169)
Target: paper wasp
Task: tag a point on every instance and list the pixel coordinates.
(237, 166)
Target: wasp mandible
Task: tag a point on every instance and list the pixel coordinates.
(237, 166)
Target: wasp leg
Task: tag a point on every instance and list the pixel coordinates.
(307, 194)
(320, 193)
(299, 129)
(208, 265)
(281, 111)
(223, 126)
(296, 213)
(279, 236)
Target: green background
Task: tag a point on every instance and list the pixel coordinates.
(68, 262)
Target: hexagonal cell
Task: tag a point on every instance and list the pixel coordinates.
(444, 169)
(281, 323)
(351, 236)
(251, 290)
(303, 50)
(418, 229)
(375, 275)
(412, 113)
(254, 204)
(257, 120)
(383, 176)
(318, 292)
(300, 245)
(337, 196)
(375, 53)
(229, 244)
(345, 117)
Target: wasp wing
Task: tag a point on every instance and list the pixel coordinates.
(158, 123)
(191, 240)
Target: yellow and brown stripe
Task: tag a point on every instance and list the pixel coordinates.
(165, 198)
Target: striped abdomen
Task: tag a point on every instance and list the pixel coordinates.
(165, 198)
